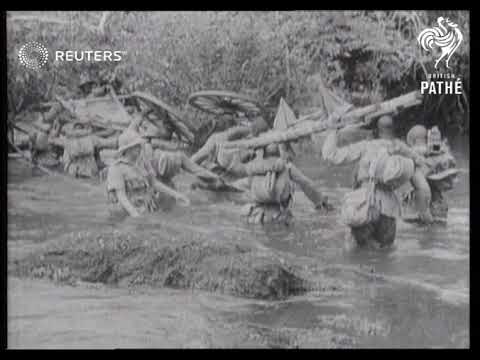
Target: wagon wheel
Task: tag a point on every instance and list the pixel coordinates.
(225, 103)
(166, 112)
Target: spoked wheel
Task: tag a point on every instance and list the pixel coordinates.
(163, 111)
(225, 103)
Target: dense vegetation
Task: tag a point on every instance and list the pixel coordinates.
(364, 56)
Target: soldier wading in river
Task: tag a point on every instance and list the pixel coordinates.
(161, 158)
(81, 149)
(439, 173)
(384, 164)
(270, 178)
(229, 163)
(132, 190)
(47, 126)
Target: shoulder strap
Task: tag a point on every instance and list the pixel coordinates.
(373, 167)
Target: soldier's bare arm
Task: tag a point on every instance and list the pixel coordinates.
(342, 155)
(116, 185)
(102, 143)
(159, 186)
(206, 150)
(308, 187)
(126, 204)
(166, 145)
(236, 132)
(197, 170)
(403, 149)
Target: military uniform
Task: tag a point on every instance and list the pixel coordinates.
(80, 155)
(438, 174)
(271, 192)
(45, 154)
(164, 165)
(81, 152)
(383, 229)
(123, 175)
(226, 162)
(272, 182)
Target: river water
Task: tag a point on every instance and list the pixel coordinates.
(414, 295)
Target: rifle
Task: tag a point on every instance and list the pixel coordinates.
(306, 126)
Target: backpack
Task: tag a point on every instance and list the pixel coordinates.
(392, 170)
(359, 206)
(272, 188)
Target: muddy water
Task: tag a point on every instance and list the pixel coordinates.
(414, 295)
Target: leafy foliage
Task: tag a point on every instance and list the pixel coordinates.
(365, 56)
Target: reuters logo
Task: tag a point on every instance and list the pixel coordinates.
(33, 55)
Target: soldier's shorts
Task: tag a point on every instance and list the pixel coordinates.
(382, 232)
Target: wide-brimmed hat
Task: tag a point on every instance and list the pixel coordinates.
(153, 131)
(443, 174)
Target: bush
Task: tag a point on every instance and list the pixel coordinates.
(365, 56)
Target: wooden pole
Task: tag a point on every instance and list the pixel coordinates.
(306, 126)
(117, 100)
(95, 99)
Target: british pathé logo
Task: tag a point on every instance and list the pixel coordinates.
(439, 84)
(446, 36)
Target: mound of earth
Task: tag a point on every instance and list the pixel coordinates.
(126, 260)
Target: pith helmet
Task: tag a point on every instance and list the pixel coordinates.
(385, 126)
(128, 142)
(149, 129)
(385, 122)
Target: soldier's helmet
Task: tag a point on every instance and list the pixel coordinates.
(149, 129)
(417, 136)
(385, 122)
(127, 142)
(385, 126)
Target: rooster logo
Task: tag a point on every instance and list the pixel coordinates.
(447, 40)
